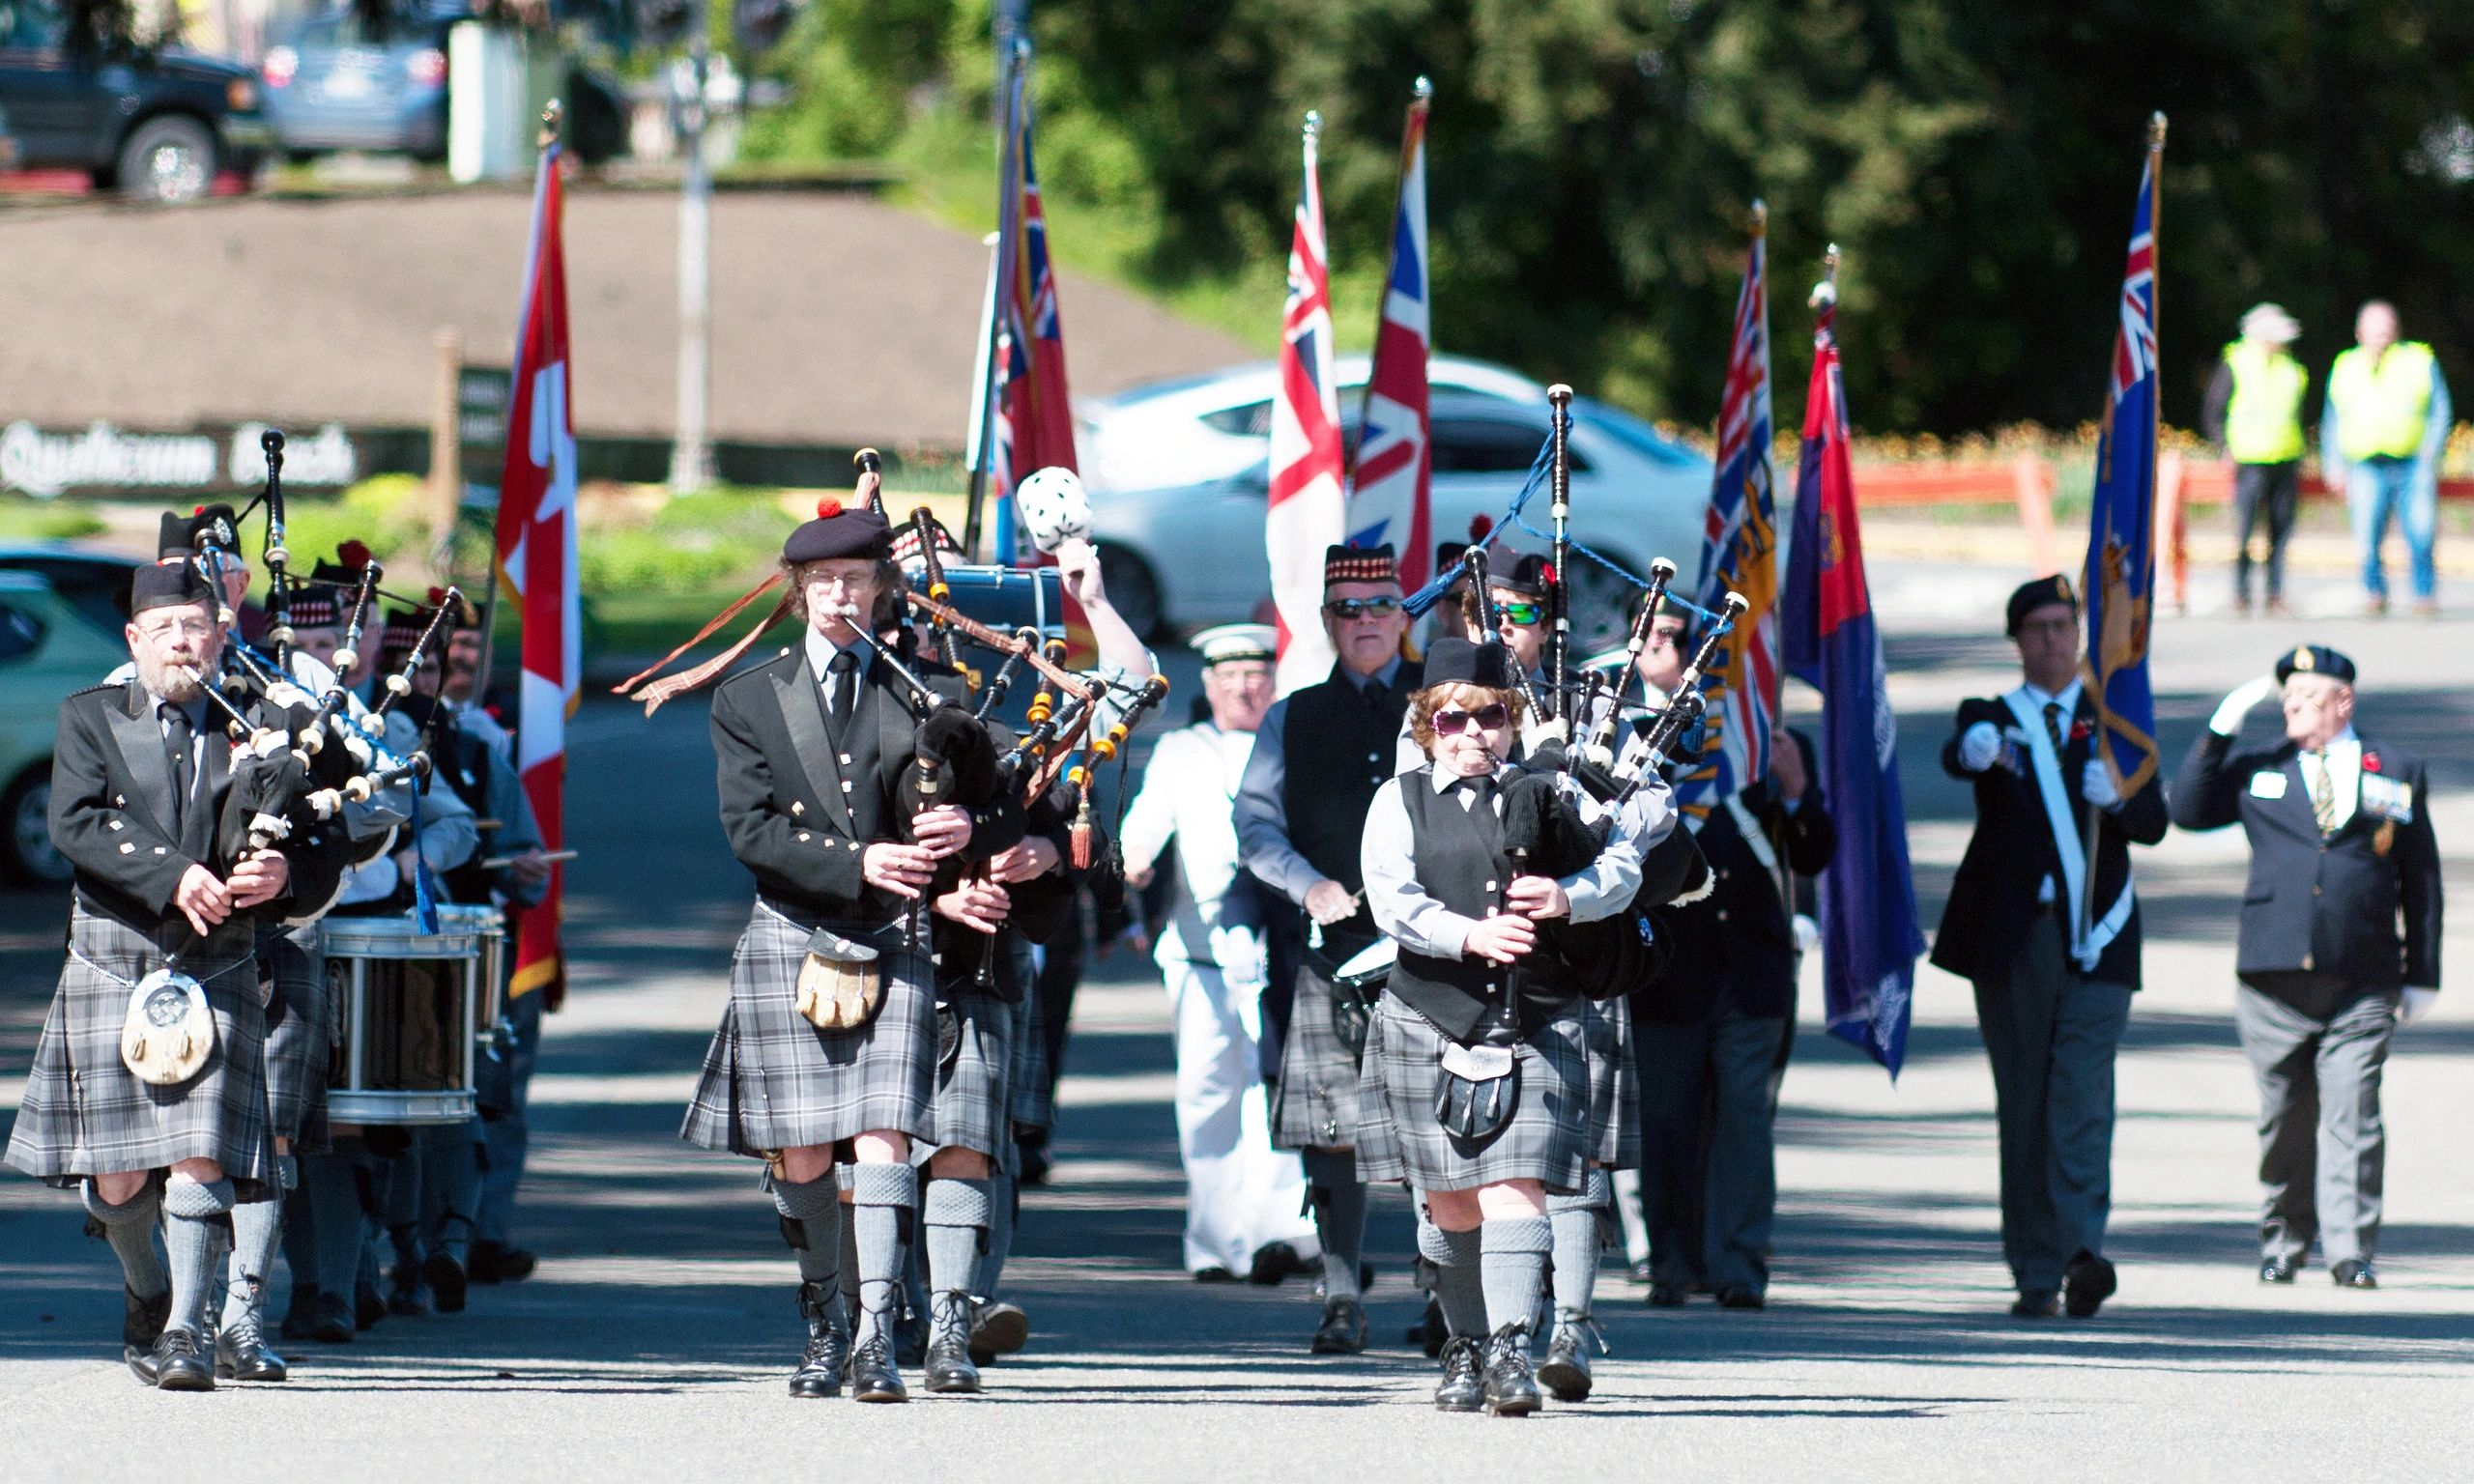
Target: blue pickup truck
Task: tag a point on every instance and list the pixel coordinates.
(156, 123)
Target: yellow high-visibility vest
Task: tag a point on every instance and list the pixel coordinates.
(2380, 408)
(2264, 421)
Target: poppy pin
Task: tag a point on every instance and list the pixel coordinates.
(2080, 732)
(2370, 763)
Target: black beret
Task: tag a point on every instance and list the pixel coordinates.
(2316, 660)
(1458, 662)
(839, 531)
(169, 585)
(172, 537)
(2043, 592)
(1523, 572)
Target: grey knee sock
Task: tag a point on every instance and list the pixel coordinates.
(1001, 1195)
(1458, 1285)
(195, 1225)
(130, 1228)
(1338, 1200)
(851, 1247)
(1514, 1268)
(958, 1213)
(1578, 1235)
(812, 1224)
(256, 1227)
(886, 1196)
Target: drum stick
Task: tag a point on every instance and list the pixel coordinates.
(548, 857)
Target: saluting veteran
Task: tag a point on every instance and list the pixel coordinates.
(2341, 850)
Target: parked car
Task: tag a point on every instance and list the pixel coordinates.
(1179, 475)
(156, 123)
(8, 144)
(93, 582)
(48, 651)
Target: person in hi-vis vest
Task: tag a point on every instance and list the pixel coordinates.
(2381, 438)
(2253, 413)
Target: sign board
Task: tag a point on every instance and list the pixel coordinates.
(482, 394)
(101, 458)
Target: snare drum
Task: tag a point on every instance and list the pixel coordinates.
(410, 1011)
(1365, 974)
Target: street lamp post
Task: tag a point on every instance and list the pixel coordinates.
(691, 451)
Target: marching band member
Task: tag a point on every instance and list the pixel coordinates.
(1474, 1087)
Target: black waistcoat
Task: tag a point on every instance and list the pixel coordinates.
(871, 777)
(1339, 748)
(1459, 861)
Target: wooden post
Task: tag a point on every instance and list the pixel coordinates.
(2173, 527)
(447, 446)
(2033, 481)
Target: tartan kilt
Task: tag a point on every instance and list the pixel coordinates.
(973, 1104)
(1027, 1088)
(773, 1081)
(85, 1113)
(298, 1045)
(1548, 1138)
(1315, 1104)
(1613, 1082)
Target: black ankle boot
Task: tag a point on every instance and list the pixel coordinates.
(950, 1370)
(242, 1352)
(1511, 1390)
(141, 1325)
(828, 1349)
(1462, 1388)
(1564, 1372)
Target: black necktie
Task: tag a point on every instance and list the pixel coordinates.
(1376, 694)
(2053, 728)
(1479, 788)
(180, 750)
(845, 673)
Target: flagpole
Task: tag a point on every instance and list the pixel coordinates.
(975, 435)
(1823, 301)
(1009, 204)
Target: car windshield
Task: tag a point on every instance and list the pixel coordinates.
(1632, 433)
(362, 26)
(33, 25)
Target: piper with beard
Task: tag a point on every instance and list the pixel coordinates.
(156, 1102)
(826, 1052)
(1318, 759)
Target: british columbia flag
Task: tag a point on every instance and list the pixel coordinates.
(1740, 553)
(1033, 422)
(2120, 577)
(1395, 457)
(1307, 512)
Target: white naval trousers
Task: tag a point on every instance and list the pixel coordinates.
(1241, 1194)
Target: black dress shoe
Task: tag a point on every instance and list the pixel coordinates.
(1512, 1389)
(1741, 1296)
(1464, 1386)
(2278, 1269)
(873, 1377)
(828, 1349)
(1564, 1372)
(2354, 1272)
(2036, 1304)
(141, 1325)
(368, 1306)
(949, 1368)
(998, 1328)
(1669, 1296)
(1277, 1261)
(179, 1365)
(241, 1352)
(490, 1262)
(334, 1321)
(445, 1277)
(2086, 1284)
(1343, 1331)
(1215, 1273)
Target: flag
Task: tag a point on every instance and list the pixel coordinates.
(2120, 577)
(1034, 414)
(1390, 501)
(1307, 512)
(1869, 935)
(537, 559)
(1740, 553)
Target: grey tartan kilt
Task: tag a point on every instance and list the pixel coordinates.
(85, 1113)
(1549, 1138)
(773, 1081)
(1315, 1104)
(1032, 1098)
(973, 1104)
(1613, 1082)
(298, 1048)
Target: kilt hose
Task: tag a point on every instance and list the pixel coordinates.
(773, 1081)
(1547, 1139)
(85, 1113)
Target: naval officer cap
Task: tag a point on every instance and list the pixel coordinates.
(2316, 660)
(1232, 643)
(2043, 592)
(1455, 661)
(168, 585)
(839, 531)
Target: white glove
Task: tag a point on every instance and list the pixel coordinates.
(2098, 786)
(2227, 720)
(1978, 745)
(2417, 1003)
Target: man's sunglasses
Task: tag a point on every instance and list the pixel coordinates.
(1358, 607)
(1522, 613)
(1450, 723)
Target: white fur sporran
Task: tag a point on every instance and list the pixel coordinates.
(169, 1031)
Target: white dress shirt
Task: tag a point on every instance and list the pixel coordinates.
(1187, 789)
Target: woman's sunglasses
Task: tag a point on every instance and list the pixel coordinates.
(1450, 723)
(1358, 607)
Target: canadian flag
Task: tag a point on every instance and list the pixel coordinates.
(536, 562)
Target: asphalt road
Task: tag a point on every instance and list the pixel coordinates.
(652, 1342)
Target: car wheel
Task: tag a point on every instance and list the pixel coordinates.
(1133, 591)
(167, 159)
(30, 855)
(1601, 607)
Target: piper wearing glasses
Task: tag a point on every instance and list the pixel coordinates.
(1319, 756)
(1475, 1084)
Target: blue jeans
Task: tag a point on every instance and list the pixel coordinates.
(2376, 488)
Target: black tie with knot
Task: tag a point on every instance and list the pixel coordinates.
(1479, 788)
(2053, 728)
(179, 747)
(844, 671)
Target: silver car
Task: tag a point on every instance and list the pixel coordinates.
(1179, 475)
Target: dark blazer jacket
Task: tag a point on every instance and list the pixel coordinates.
(1993, 899)
(2329, 906)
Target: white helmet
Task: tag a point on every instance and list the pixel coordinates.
(1053, 507)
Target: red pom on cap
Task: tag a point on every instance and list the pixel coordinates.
(1479, 525)
(827, 508)
(437, 595)
(198, 509)
(355, 553)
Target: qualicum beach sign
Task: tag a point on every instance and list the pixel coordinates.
(102, 459)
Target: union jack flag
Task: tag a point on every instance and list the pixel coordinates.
(1395, 456)
(1309, 512)
(1033, 421)
(1740, 553)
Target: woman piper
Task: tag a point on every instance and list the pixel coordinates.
(1476, 1082)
